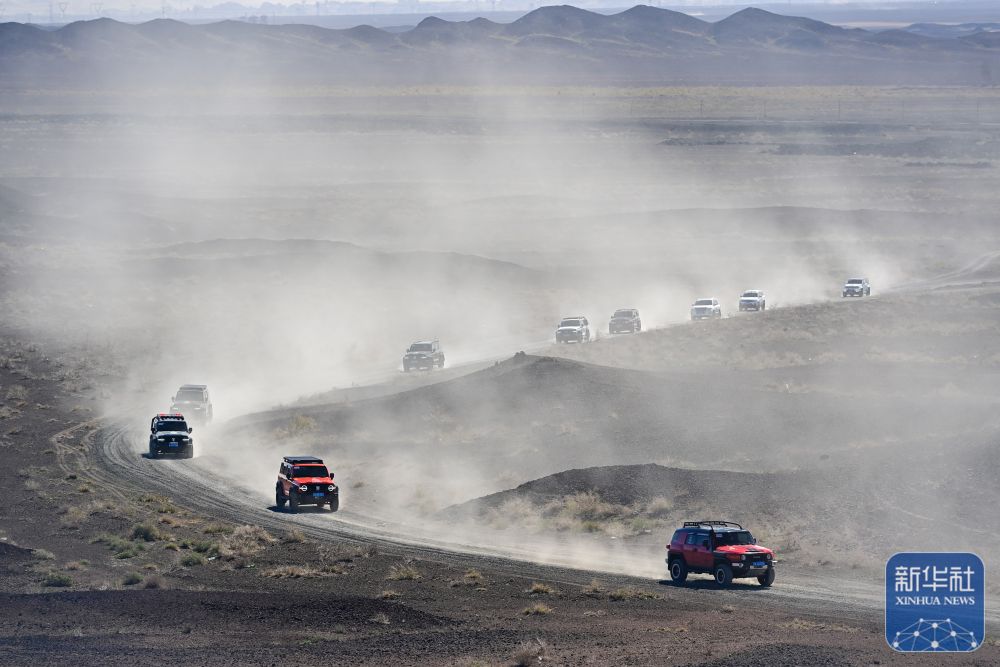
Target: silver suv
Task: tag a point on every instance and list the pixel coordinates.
(193, 401)
(706, 309)
(856, 287)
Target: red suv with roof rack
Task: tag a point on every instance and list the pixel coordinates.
(305, 480)
(723, 549)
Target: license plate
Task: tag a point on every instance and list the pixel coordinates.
(760, 563)
(318, 494)
(174, 444)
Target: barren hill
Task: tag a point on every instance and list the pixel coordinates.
(550, 44)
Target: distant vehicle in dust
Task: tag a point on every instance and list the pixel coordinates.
(625, 320)
(752, 299)
(856, 287)
(193, 401)
(723, 549)
(305, 480)
(424, 354)
(573, 330)
(706, 309)
(170, 434)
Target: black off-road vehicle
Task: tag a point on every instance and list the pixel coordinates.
(170, 434)
(625, 320)
(425, 354)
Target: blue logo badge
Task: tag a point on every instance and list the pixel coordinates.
(934, 602)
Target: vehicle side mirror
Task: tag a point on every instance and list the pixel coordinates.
(190, 429)
(173, 399)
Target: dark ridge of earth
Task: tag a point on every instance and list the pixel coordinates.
(627, 485)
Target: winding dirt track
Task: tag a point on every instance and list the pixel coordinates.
(114, 459)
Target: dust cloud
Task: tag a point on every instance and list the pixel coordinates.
(276, 242)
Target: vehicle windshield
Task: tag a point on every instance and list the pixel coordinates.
(622, 313)
(703, 302)
(420, 347)
(192, 396)
(750, 294)
(854, 281)
(734, 537)
(571, 323)
(171, 425)
(309, 471)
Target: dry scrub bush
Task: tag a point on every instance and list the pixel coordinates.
(537, 609)
(380, 618)
(244, 542)
(192, 560)
(472, 577)
(632, 594)
(594, 589)
(403, 573)
(538, 588)
(293, 572)
(531, 654)
(389, 594)
(294, 536)
(154, 581)
(57, 580)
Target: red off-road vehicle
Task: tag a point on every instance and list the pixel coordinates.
(305, 480)
(721, 548)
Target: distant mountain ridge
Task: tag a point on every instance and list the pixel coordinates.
(556, 44)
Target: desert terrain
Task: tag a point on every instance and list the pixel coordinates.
(279, 211)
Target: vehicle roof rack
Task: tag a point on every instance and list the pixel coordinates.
(712, 523)
(302, 459)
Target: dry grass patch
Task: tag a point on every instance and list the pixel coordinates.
(389, 595)
(629, 593)
(76, 565)
(537, 609)
(595, 589)
(244, 542)
(154, 581)
(43, 554)
(292, 572)
(531, 654)
(538, 588)
(472, 577)
(813, 626)
(192, 560)
(57, 580)
(131, 579)
(403, 572)
(727, 609)
(294, 536)
(146, 533)
(380, 619)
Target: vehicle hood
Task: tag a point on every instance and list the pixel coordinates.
(163, 434)
(313, 480)
(744, 549)
(418, 354)
(570, 329)
(853, 286)
(702, 307)
(749, 298)
(622, 318)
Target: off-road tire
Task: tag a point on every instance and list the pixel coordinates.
(279, 498)
(767, 578)
(293, 503)
(723, 574)
(152, 452)
(335, 504)
(189, 454)
(406, 368)
(678, 571)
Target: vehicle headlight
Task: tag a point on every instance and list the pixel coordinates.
(304, 488)
(331, 487)
(161, 439)
(187, 440)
